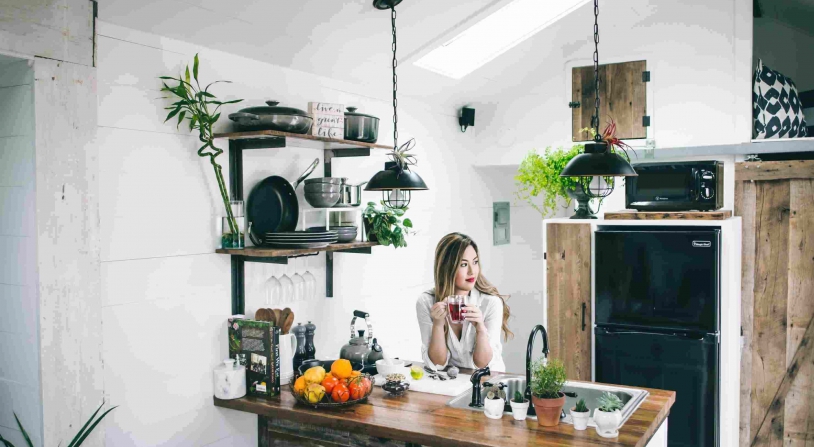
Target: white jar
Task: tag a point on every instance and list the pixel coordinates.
(230, 380)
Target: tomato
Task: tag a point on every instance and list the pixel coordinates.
(329, 383)
(340, 393)
(366, 382)
(357, 390)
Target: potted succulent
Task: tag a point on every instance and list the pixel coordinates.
(384, 225)
(495, 401)
(580, 415)
(547, 379)
(608, 415)
(520, 406)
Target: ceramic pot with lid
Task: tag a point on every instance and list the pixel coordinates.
(361, 127)
(273, 117)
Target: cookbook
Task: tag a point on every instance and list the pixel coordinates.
(256, 345)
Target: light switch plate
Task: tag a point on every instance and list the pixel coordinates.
(501, 223)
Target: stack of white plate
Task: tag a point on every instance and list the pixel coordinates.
(301, 239)
(346, 233)
(285, 379)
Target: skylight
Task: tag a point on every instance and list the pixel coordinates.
(494, 35)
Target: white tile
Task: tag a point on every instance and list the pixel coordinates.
(23, 400)
(17, 161)
(16, 107)
(171, 278)
(18, 309)
(17, 211)
(20, 355)
(17, 260)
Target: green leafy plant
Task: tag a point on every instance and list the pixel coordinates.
(547, 378)
(518, 397)
(580, 407)
(609, 402)
(200, 108)
(386, 225)
(495, 392)
(541, 174)
(76, 441)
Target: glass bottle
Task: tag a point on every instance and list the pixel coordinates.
(310, 348)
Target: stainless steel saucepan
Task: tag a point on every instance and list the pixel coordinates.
(350, 195)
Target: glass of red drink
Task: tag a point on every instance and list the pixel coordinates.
(455, 305)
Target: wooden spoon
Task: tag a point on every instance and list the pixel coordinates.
(285, 317)
(262, 314)
(277, 317)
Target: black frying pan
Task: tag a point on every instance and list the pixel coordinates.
(273, 207)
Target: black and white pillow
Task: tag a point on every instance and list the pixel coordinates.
(776, 108)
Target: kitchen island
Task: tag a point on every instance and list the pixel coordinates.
(425, 419)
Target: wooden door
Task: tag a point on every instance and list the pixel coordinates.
(777, 367)
(622, 96)
(568, 270)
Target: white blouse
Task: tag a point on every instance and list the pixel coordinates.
(460, 352)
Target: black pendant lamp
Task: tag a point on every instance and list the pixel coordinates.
(597, 160)
(396, 181)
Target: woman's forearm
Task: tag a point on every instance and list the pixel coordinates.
(438, 345)
(483, 350)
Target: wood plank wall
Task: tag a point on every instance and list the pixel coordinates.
(777, 391)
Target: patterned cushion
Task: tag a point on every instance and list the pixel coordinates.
(776, 108)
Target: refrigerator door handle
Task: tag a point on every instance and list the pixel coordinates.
(697, 337)
(584, 306)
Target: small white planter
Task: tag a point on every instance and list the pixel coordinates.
(493, 408)
(580, 419)
(520, 411)
(607, 424)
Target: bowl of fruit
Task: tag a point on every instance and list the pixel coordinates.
(341, 386)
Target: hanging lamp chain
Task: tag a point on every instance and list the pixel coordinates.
(395, 85)
(595, 119)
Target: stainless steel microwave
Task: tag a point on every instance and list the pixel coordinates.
(676, 186)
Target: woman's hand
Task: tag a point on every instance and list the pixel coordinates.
(438, 313)
(474, 316)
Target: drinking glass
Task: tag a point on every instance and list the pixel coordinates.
(286, 289)
(455, 305)
(310, 284)
(299, 283)
(273, 290)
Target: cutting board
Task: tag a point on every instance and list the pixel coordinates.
(450, 387)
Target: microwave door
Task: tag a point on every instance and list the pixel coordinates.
(662, 187)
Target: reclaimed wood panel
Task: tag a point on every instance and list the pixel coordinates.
(568, 270)
(774, 170)
(799, 406)
(425, 419)
(777, 372)
(745, 208)
(771, 296)
(622, 94)
(670, 215)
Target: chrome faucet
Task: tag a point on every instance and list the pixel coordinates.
(539, 328)
(477, 402)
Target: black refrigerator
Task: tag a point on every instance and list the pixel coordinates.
(657, 320)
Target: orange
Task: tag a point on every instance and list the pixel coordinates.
(355, 373)
(299, 385)
(341, 369)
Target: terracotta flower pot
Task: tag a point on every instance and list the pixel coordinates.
(548, 410)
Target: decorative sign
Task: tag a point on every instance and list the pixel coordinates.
(329, 119)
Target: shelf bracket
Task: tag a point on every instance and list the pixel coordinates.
(238, 286)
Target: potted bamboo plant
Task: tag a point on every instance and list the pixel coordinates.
(547, 380)
(520, 406)
(608, 415)
(580, 415)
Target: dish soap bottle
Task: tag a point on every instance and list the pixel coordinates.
(299, 355)
(310, 348)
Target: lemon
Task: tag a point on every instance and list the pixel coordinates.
(416, 373)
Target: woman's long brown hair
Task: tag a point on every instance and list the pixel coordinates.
(448, 256)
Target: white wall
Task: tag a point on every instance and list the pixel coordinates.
(19, 309)
(783, 48)
(166, 296)
(699, 93)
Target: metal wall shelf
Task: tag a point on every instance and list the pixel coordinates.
(270, 139)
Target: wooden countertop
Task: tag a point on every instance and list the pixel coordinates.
(427, 420)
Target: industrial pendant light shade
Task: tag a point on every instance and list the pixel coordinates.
(385, 4)
(597, 160)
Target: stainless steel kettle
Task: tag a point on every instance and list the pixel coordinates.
(359, 348)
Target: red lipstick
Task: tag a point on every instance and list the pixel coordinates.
(470, 279)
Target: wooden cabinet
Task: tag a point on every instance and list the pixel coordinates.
(622, 95)
(777, 368)
(568, 276)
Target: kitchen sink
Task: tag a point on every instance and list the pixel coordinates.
(631, 397)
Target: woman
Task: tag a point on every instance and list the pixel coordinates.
(475, 343)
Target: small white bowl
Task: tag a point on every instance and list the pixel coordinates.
(396, 367)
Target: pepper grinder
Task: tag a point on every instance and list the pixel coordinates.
(299, 355)
(310, 348)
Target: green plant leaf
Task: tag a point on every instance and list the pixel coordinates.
(205, 93)
(172, 114)
(181, 118)
(25, 435)
(186, 75)
(192, 122)
(6, 443)
(195, 67)
(84, 433)
(408, 223)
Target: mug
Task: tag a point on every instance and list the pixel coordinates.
(288, 347)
